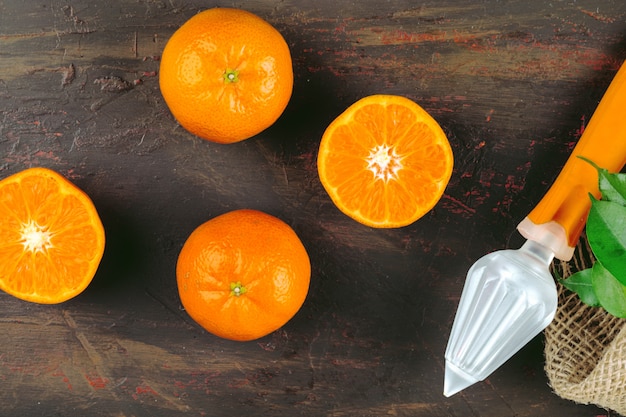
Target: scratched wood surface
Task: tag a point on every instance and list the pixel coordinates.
(511, 82)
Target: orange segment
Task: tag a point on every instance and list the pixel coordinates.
(385, 161)
(51, 238)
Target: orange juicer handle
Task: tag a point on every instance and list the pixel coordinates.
(559, 218)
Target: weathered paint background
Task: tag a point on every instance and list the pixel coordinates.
(511, 82)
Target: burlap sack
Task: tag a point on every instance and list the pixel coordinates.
(585, 346)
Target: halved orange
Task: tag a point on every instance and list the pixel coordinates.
(51, 237)
(385, 161)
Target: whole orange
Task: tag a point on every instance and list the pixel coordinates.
(243, 274)
(226, 75)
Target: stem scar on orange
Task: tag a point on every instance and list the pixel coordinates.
(243, 274)
(385, 162)
(226, 75)
(51, 237)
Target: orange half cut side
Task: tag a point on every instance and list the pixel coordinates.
(385, 161)
(51, 237)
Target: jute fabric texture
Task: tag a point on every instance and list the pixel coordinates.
(585, 346)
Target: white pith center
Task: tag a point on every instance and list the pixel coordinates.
(384, 162)
(35, 238)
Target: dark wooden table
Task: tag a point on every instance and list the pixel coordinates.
(512, 82)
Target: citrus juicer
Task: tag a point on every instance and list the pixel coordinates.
(510, 296)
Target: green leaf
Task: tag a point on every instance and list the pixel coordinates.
(581, 284)
(610, 292)
(612, 186)
(606, 233)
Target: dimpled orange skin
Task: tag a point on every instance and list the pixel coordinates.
(243, 274)
(226, 75)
